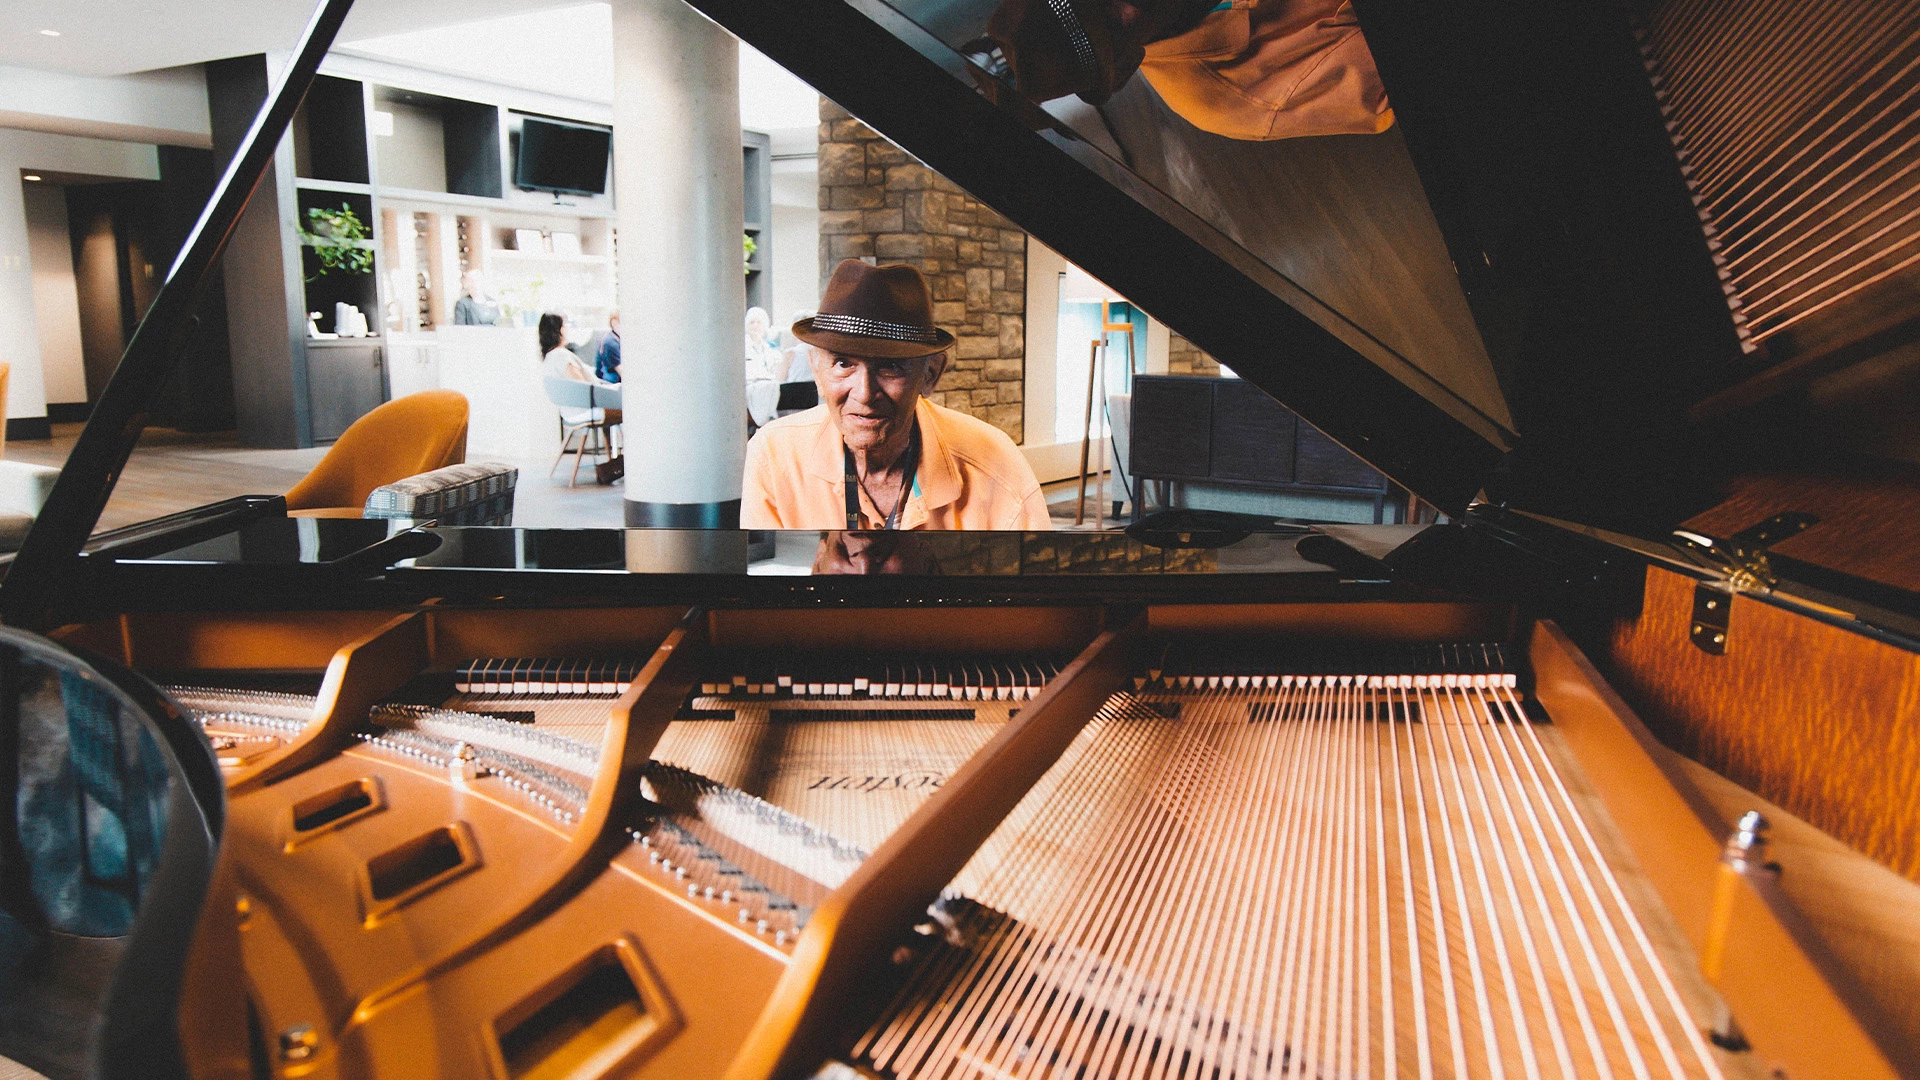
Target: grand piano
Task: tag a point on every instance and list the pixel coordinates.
(1607, 774)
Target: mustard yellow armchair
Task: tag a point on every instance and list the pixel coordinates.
(414, 434)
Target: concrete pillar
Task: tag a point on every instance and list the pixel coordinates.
(677, 180)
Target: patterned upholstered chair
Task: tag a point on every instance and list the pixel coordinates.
(474, 494)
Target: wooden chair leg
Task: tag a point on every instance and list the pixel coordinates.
(582, 453)
(566, 440)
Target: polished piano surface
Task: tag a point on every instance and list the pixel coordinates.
(1197, 799)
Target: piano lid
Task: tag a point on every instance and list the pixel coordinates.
(1507, 290)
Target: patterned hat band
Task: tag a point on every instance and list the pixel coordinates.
(860, 327)
(1076, 35)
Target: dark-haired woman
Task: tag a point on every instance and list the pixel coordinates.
(559, 362)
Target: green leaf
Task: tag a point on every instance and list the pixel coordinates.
(339, 239)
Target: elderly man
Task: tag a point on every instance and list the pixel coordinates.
(875, 454)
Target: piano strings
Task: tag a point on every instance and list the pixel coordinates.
(1295, 876)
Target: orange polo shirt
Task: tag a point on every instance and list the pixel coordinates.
(1272, 69)
(970, 476)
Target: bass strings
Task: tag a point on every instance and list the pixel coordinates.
(1329, 876)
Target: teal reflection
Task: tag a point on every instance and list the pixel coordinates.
(87, 812)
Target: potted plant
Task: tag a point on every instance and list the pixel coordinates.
(340, 241)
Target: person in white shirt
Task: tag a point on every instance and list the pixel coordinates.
(765, 366)
(559, 362)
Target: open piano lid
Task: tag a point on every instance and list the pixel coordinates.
(1507, 291)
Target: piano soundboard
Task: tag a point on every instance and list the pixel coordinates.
(1260, 859)
(1268, 861)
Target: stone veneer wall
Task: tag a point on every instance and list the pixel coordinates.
(876, 200)
(1185, 358)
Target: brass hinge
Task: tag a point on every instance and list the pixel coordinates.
(1741, 560)
(1711, 610)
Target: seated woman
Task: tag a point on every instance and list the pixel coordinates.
(559, 362)
(556, 360)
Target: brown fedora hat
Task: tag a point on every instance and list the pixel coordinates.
(876, 311)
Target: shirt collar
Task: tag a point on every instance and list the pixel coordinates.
(938, 478)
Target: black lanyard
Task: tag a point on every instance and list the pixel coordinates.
(906, 485)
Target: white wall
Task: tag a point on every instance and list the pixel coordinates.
(56, 300)
(1044, 267)
(168, 106)
(796, 262)
(30, 151)
(1053, 450)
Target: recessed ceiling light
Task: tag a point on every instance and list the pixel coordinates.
(50, 33)
(31, 176)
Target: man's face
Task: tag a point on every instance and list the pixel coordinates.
(872, 400)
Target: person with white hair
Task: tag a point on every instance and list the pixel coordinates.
(765, 368)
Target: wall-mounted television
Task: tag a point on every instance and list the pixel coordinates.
(569, 159)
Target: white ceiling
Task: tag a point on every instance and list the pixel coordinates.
(569, 51)
(555, 46)
(114, 37)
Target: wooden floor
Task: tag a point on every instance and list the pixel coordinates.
(172, 471)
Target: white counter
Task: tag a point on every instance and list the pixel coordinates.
(498, 369)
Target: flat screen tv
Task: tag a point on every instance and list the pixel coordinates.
(564, 158)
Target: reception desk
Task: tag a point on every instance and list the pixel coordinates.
(498, 369)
